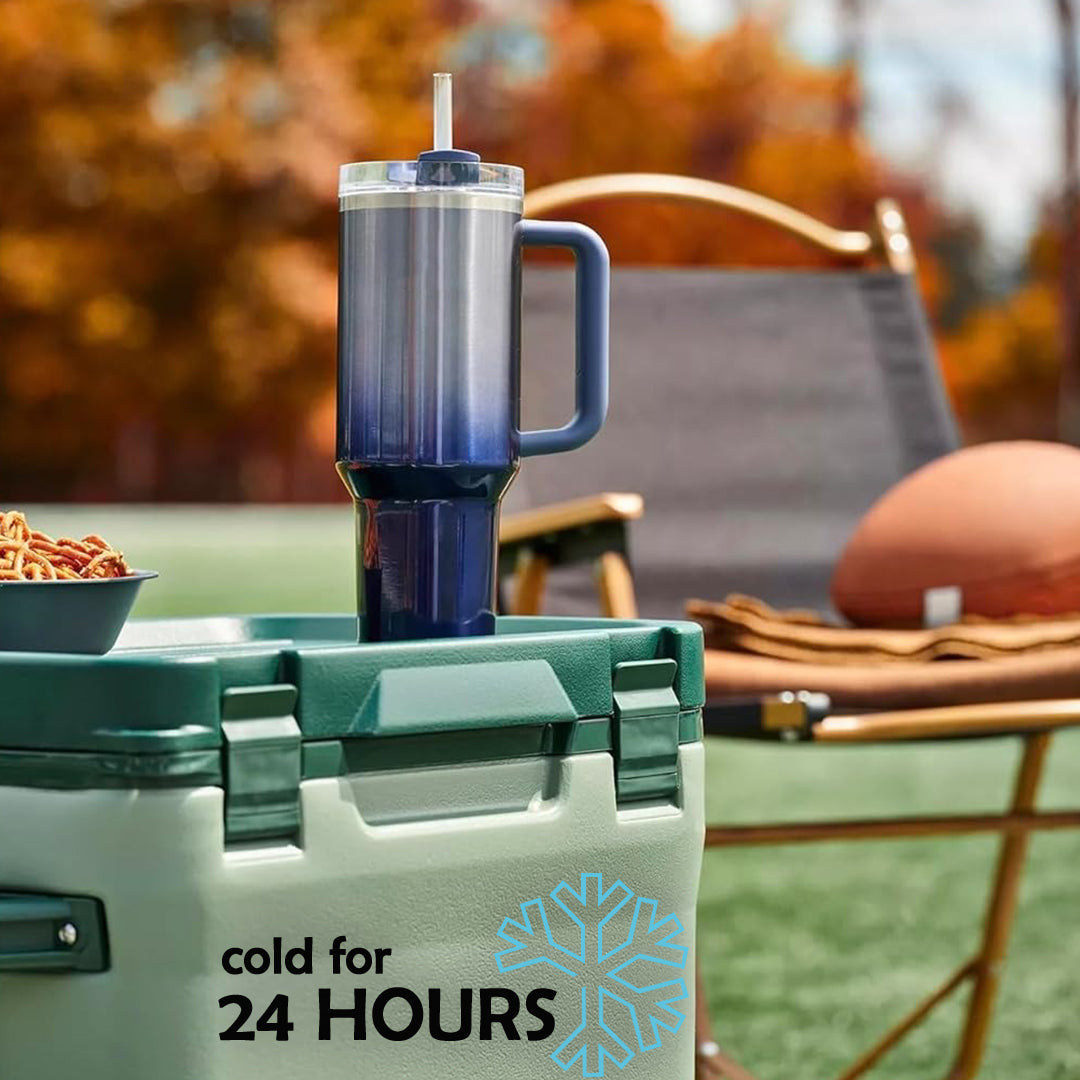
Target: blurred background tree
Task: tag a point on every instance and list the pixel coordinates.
(168, 229)
(167, 252)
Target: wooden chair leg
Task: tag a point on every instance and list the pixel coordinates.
(530, 577)
(1000, 912)
(616, 586)
(711, 1063)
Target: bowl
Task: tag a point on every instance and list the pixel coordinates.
(83, 616)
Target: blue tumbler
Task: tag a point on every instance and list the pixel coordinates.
(429, 353)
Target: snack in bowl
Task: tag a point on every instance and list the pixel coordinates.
(29, 555)
(62, 596)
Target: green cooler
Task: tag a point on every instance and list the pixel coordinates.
(251, 849)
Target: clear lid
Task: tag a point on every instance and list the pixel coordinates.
(438, 175)
(404, 177)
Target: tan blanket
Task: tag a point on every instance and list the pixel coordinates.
(742, 624)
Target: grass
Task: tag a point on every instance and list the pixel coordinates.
(814, 950)
(810, 951)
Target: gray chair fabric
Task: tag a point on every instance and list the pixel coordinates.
(759, 413)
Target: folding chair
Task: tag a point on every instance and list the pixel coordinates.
(757, 415)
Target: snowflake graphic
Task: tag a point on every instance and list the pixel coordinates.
(618, 939)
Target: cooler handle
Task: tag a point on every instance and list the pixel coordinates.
(51, 933)
(463, 697)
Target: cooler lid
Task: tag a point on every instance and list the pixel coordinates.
(169, 684)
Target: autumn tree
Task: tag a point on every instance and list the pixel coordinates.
(1014, 364)
(1069, 220)
(168, 230)
(167, 254)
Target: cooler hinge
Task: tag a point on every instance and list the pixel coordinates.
(261, 763)
(646, 731)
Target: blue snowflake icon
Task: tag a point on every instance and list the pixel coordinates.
(623, 956)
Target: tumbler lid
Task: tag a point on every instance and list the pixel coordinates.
(364, 180)
(438, 176)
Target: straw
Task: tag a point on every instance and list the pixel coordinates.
(444, 111)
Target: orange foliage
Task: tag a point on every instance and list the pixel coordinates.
(168, 240)
(167, 247)
(1003, 363)
(623, 94)
(1006, 349)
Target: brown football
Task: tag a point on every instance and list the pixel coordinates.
(1000, 521)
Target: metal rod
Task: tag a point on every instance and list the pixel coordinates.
(1001, 912)
(1014, 823)
(444, 111)
(851, 246)
(992, 718)
(872, 1056)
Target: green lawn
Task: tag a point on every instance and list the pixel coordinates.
(811, 950)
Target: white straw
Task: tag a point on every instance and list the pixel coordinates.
(444, 111)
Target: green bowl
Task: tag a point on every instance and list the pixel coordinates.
(83, 616)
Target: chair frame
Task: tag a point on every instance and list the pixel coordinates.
(596, 529)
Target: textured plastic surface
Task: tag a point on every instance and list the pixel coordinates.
(391, 845)
(422, 865)
(592, 319)
(263, 763)
(646, 730)
(82, 616)
(160, 691)
(408, 701)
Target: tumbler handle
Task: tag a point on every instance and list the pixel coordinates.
(593, 289)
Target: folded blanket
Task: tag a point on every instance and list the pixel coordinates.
(1036, 676)
(742, 624)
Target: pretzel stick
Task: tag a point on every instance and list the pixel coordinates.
(29, 555)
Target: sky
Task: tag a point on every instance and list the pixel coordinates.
(996, 60)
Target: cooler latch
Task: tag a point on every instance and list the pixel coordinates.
(646, 731)
(261, 760)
